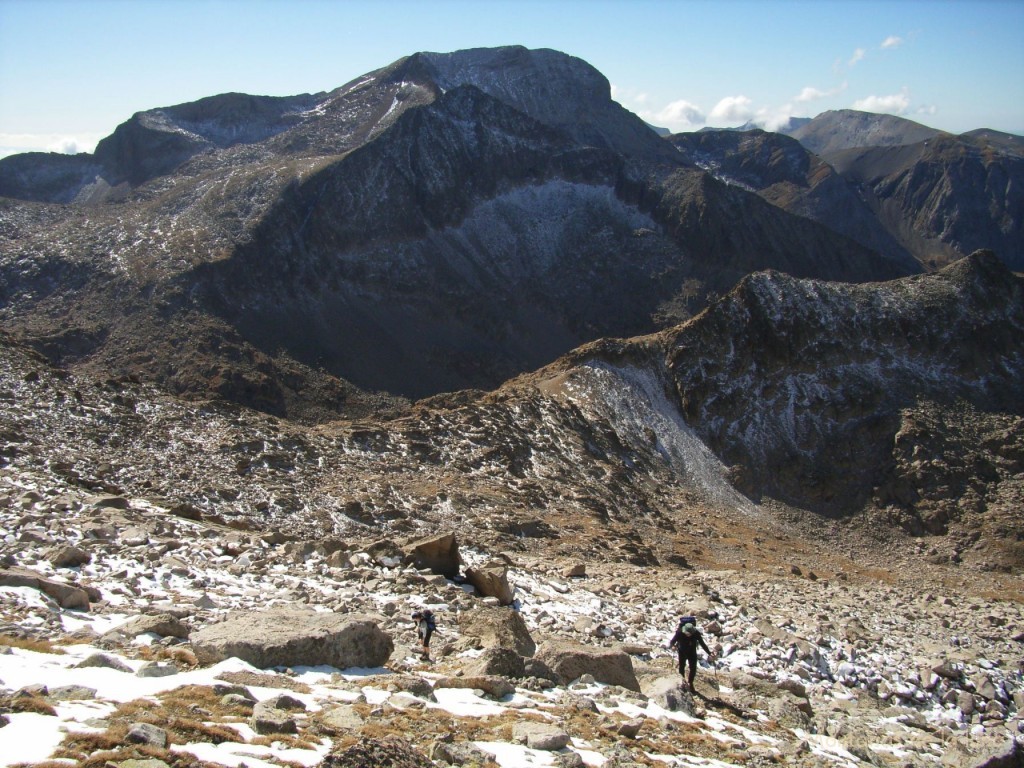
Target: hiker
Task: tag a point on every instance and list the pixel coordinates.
(425, 627)
(685, 641)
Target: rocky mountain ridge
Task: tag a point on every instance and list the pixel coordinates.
(841, 129)
(447, 221)
(813, 394)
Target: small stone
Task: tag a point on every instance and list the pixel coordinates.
(630, 728)
(103, 660)
(145, 733)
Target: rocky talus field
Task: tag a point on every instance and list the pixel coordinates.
(147, 622)
(465, 334)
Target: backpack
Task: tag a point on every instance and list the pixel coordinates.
(428, 617)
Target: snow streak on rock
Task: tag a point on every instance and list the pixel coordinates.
(633, 400)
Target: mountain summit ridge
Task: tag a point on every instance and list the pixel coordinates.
(445, 222)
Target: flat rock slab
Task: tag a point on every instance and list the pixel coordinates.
(294, 637)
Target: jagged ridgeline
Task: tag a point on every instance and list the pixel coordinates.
(447, 222)
(453, 221)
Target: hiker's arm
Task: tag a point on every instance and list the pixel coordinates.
(704, 646)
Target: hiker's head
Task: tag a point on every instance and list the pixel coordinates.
(417, 615)
(689, 629)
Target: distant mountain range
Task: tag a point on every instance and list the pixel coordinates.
(449, 221)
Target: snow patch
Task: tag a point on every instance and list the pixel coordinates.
(635, 402)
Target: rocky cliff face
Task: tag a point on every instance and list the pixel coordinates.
(814, 385)
(945, 196)
(788, 175)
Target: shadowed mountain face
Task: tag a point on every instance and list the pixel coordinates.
(809, 391)
(788, 175)
(945, 196)
(444, 222)
(910, 193)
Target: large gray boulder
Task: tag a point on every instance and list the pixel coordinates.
(497, 628)
(491, 580)
(571, 660)
(294, 637)
(439, 554)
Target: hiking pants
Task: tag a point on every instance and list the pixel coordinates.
(692, 659)
(425, 632)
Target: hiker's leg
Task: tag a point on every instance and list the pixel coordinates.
(693, 671)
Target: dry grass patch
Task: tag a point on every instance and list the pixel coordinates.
(287, 740)
(34, 704)
(183, 657)
(421, 727)
(30, 644)
(188, 699)
(175, 712)
(264, 680)
(106, 757)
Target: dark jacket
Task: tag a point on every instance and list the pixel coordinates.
(687, 643)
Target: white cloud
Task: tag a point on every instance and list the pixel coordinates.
(732, 109)
(628, 95)
(678, 116)
(892, 41)
(894, 104)
(14, 143)
(926, 109)
(66, 146)
(810, 93)
(773, 118)
(858, 55)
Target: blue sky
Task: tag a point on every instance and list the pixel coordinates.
(72, 70)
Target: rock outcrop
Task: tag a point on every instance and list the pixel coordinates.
(289, 637)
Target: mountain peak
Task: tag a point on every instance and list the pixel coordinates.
(839, 129)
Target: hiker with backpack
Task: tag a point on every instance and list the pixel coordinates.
(686, 640)
(425, 626)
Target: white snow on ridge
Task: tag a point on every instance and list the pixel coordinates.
(634, 401)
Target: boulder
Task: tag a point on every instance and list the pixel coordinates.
(72, 693)
(109, 502)
(267, 718)
(157, 669)
(460, 753)
(491, 580)
(136, 536)
(629, 729)
(145, 733)
(505, 662)
(492, 685)
(540, 736)
(571, 660)
(668, 693)
(439, 554)
(497, 628)
(186, 511)
(69, 557)
(66, 595)
(294, 637)
(575, 571)
(340, 719)
(161, 624)
(385, 553)
(104, 661)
